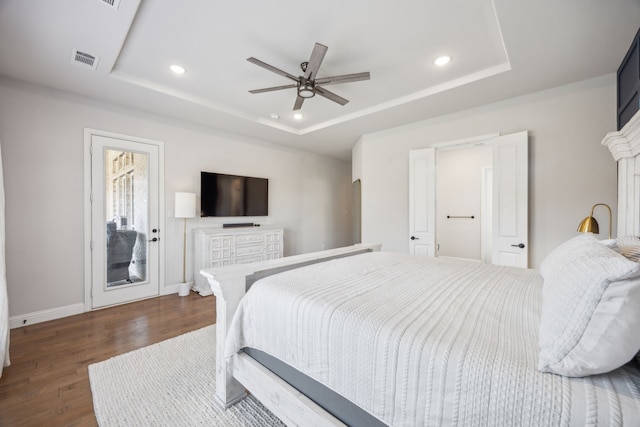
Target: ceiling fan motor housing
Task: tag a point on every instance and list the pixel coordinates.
(306, 88)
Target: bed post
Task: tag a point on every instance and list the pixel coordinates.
(624, 146)
(228, 390)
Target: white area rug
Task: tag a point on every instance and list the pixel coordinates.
(171, 383)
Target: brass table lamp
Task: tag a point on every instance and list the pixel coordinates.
(590, 225)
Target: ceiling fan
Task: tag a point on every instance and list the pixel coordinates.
(308, 85)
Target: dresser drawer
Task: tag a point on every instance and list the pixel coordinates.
(249, 259)
(220, 263)
(218, 242)
(248, 250)
(218, 254)
(248, 239)
(273, 247)
(273, 237)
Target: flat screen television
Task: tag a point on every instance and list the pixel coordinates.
(233, 195)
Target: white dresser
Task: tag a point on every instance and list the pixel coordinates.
(218, 247)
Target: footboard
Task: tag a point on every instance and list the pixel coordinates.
(229, 284)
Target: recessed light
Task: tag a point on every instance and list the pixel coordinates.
(274, 116)
(443, 60)
(298, 116)
(177, 69)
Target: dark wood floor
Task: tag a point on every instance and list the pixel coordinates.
(47, 383)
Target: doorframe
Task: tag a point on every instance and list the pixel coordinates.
(88, 133)
(486, 211)
(486, 140)
(464, 142)
(461, 144)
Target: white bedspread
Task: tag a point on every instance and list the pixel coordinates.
(422, 341)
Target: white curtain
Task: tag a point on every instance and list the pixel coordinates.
(4, 301)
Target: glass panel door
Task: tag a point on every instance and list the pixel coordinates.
(124, 212)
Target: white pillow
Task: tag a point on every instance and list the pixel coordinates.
(629, 246)
(590, 309)
(611, 244)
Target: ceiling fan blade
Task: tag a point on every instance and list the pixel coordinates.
(343, 79)
(270, 89)
(330, 95)
(271, 68)
(298, 104)
(319, 50)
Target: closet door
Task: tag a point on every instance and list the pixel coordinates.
(510, 200)
(422, 194)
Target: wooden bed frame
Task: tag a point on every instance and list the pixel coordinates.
(293, 408)
(229, 284)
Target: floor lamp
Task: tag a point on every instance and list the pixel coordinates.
(185, 207)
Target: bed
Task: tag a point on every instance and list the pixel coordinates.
(359, 336)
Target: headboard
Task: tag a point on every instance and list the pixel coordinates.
(624, 146)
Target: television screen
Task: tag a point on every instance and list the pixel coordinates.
(233, 195)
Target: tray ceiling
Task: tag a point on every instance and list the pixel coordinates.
(499, 49)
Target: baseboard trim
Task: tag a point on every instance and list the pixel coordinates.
(170, 289)
(45, 315)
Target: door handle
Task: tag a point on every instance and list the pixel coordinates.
(155, 239)
(519, 245)
(415, 238)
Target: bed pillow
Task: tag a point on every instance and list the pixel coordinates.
(559, 255)
(629, 246)
(590, 309)
(611, 244)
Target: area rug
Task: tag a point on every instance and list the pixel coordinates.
(171, 383)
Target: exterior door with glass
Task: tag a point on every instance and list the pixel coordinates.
(125, 241)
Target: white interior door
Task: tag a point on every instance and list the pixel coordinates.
(486, 208)
(125, 219)
(510, 200)
(422, 194)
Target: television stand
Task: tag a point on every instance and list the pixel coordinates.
(219, 247)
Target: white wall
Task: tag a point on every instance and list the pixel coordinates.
(569, 169)
(458, 193)
(41, 132)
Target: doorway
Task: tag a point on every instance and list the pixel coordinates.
(460, 211)
(504, 200)
(123, 217)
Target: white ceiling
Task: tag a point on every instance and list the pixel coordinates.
(500, 49)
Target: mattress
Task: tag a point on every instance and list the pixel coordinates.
(425, 341)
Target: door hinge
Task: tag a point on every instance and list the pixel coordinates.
(91, 245)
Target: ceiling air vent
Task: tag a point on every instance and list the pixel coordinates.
(112, 3)
(84, 59)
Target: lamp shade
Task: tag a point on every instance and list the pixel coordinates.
(589, 225)
(185, 205)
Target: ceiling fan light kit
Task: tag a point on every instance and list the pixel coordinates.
(308, 85)
(306, 89)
